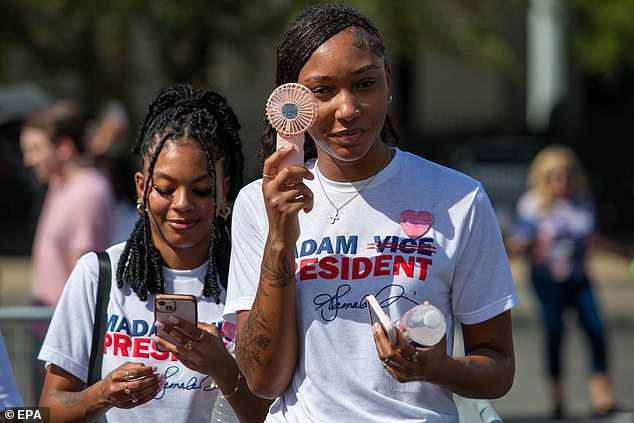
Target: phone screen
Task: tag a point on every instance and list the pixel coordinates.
(182, 306)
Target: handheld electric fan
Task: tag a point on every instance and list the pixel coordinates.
(291, 109)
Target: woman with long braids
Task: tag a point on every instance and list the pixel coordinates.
(191, 169)
(362, 217)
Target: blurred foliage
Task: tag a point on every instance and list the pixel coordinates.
(475, 31)
(98, 41)
(603, 38)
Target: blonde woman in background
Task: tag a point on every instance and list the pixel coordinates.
(555, 222)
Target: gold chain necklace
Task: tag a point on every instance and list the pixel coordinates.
(335, 216)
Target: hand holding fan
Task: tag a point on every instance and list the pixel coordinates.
(291, 109)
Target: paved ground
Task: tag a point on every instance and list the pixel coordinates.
(528, 400)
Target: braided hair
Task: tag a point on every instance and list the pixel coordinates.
(183, 113)
(305, 34)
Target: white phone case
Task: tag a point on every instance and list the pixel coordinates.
(378, 315)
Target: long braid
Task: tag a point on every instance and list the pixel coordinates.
(179, 113)
(302, 37)
(220, 248)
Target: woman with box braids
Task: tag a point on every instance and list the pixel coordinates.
(206, 118)
(158, 364)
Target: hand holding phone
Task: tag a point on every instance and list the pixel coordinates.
(378, 315)
(179, 305)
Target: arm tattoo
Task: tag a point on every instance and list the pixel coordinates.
(278, 275)
(72, 399)
(256, 329)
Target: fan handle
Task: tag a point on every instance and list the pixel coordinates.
(295, 157)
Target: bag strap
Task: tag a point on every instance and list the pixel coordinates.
(99, 329)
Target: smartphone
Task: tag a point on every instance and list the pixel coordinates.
(182, 306)
(378, 315)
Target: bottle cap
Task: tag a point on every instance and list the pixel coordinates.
(432, 319)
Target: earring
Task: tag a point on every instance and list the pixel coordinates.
(139, 205)
(389, 98)
(224, 212)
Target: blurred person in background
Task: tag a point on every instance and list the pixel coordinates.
(78, 210)
(555, 223)
(109, 149)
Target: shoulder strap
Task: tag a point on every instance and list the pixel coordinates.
(99, 329)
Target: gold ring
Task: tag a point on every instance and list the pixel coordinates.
(126, 375)
(134, 399)
(201, 336)
(384, 362)
(188, 345)
(127, 390)
(414, 357)
(264, 175)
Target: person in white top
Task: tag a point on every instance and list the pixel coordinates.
(192, 165)
(311, 243)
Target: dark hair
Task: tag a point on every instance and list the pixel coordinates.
(305, 34)
(182, 112)
(61, 119)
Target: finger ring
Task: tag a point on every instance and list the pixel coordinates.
(188, 345)
(414, 357)
(127, 390)
(384, 362)
(134, 399)
(264, 175)
(201, 336)
(126, 375)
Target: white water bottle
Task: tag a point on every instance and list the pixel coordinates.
(424, 325)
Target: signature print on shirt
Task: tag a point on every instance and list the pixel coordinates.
(337, 259)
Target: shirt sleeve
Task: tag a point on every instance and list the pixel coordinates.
(68, 341)
(483, 284)
(249, 228)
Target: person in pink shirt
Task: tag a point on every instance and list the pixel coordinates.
(78, 210)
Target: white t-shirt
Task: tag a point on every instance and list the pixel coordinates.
(187, 396)
(459, 265)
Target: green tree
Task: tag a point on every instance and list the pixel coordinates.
(603, 37)
(94, 39)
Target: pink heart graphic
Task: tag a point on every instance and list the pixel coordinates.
(416, 224)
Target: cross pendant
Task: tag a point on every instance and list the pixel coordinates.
(334, 217)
